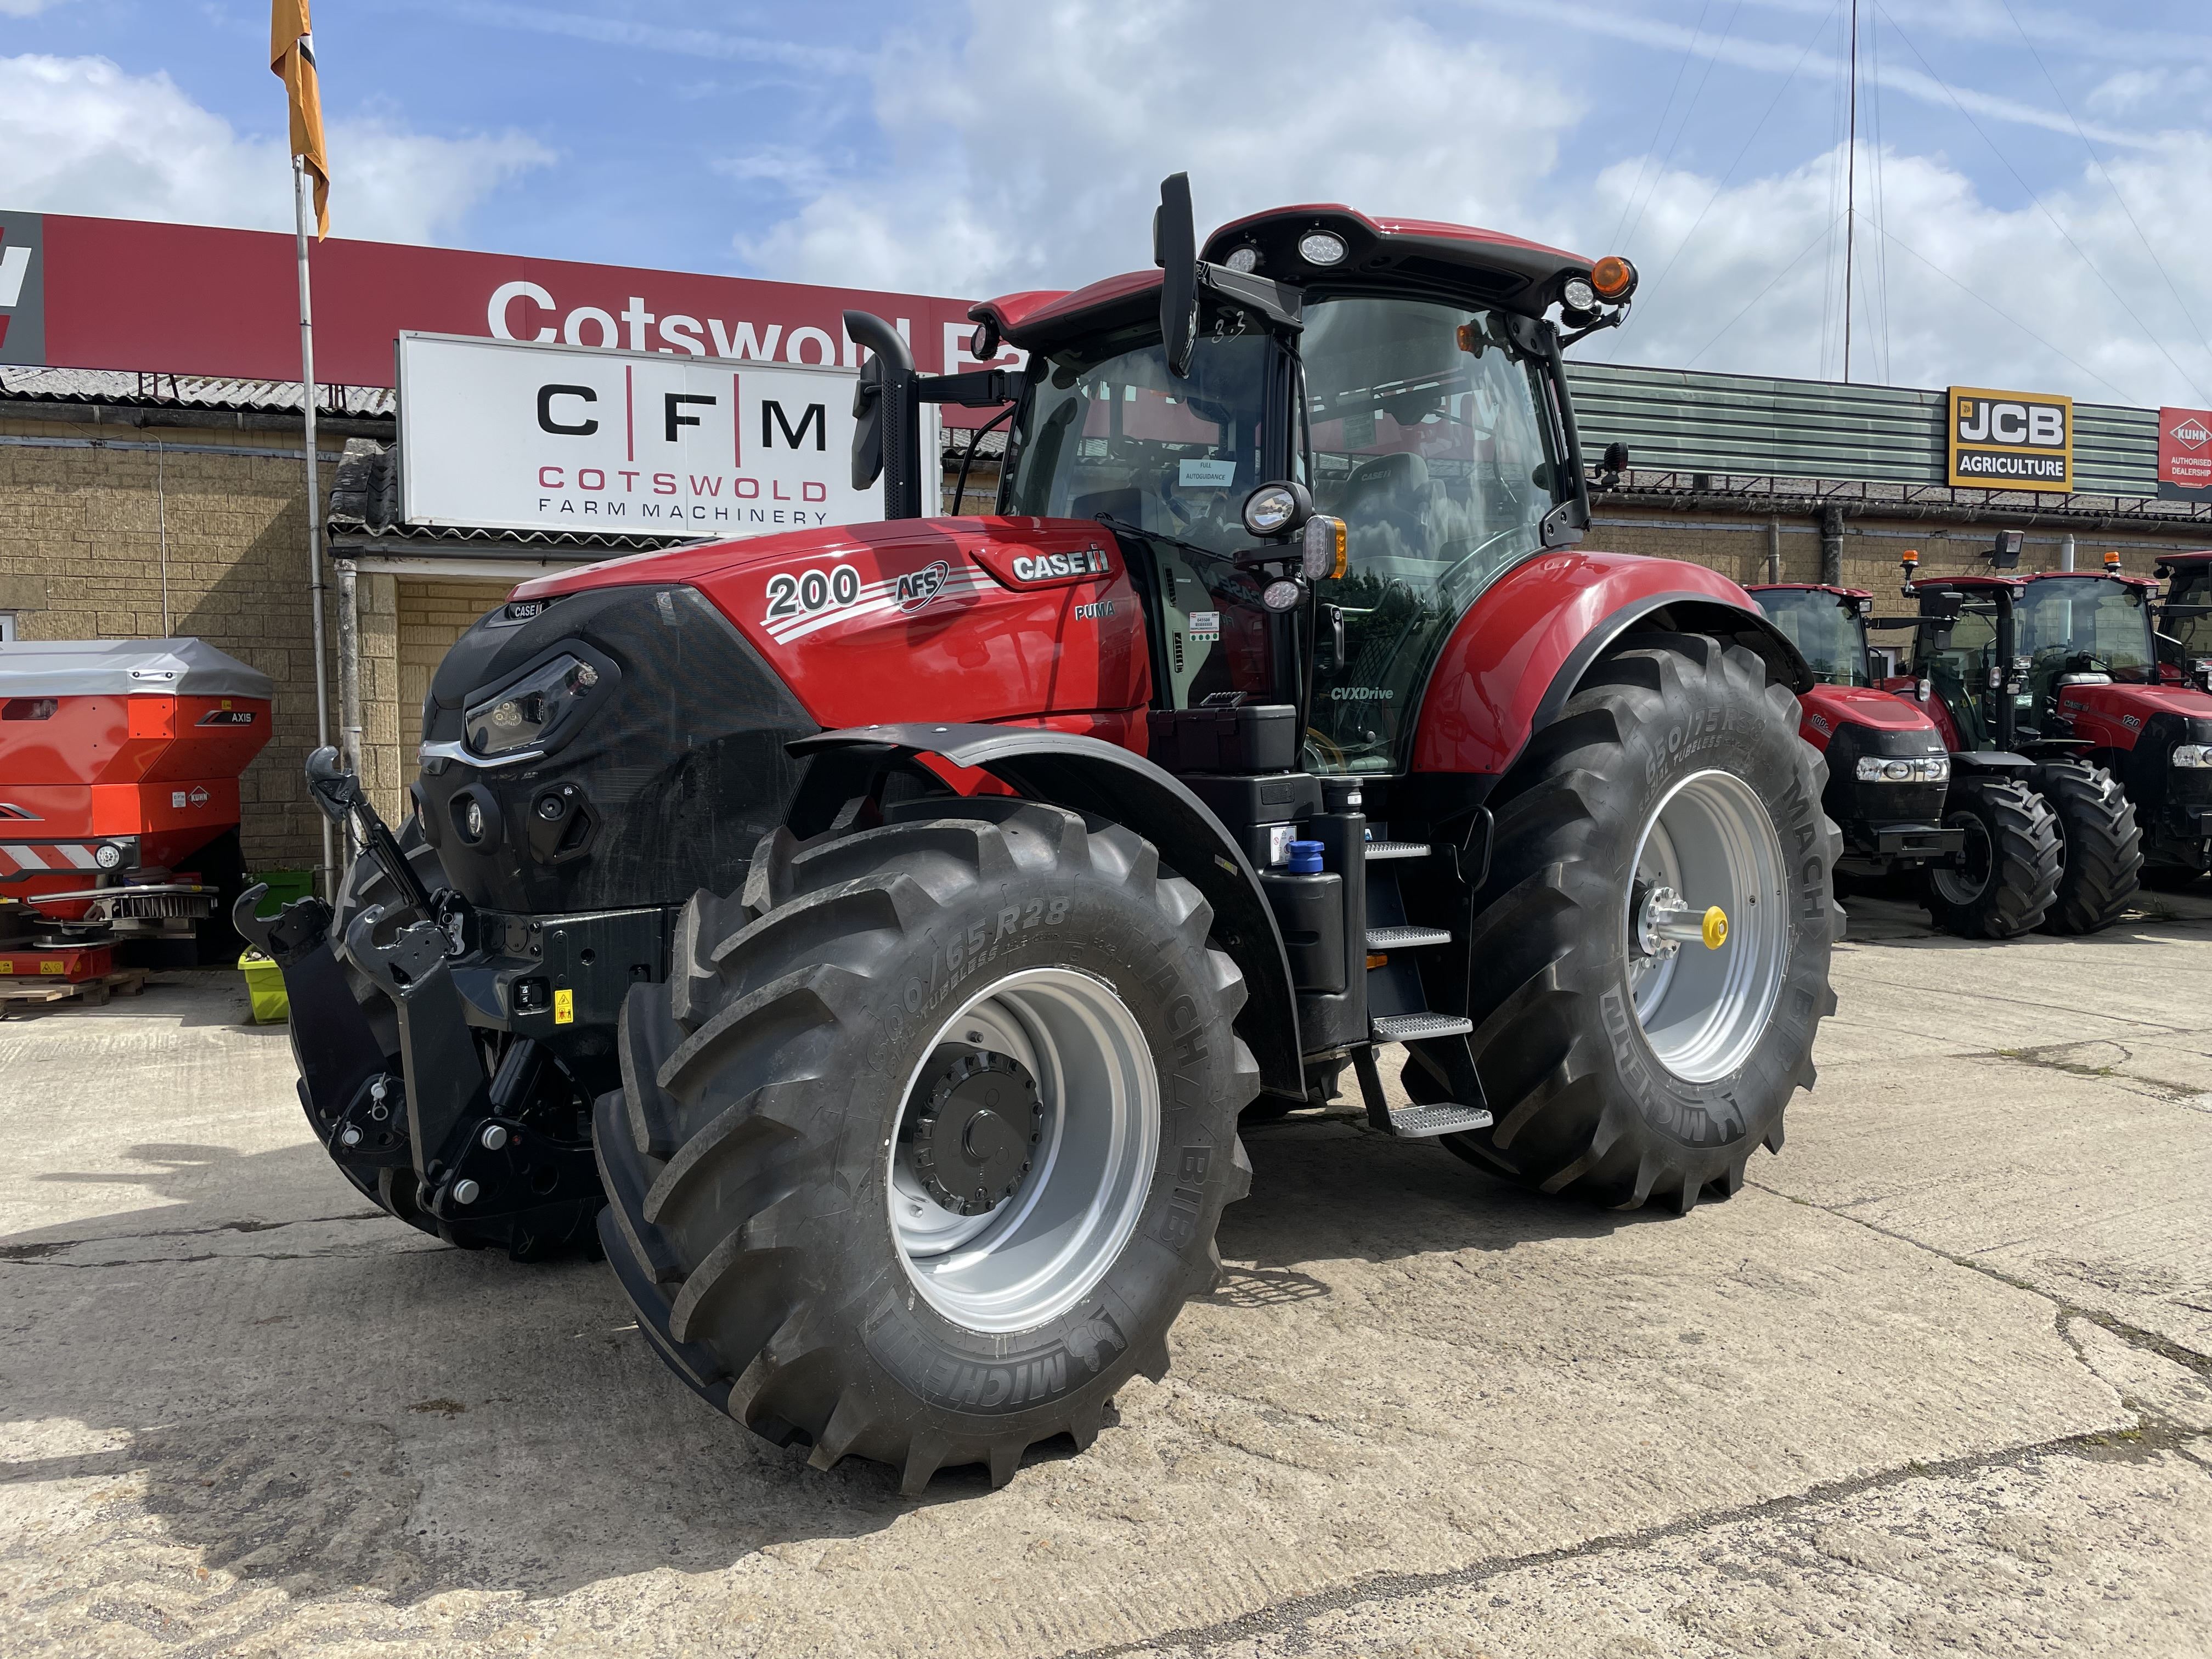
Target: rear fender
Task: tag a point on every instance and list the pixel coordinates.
(1522, 648)
(1087, 775)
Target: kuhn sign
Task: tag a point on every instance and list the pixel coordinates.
(521, 437)
(2185, 454)
(80, 293)
(2010, 440)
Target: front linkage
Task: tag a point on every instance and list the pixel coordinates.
(460, 1126)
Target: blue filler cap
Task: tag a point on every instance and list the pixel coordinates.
(1305, 858)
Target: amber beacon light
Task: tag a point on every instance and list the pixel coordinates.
(1613, 278)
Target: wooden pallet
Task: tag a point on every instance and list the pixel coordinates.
(27, 993)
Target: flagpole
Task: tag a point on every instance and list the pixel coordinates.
(314, 504)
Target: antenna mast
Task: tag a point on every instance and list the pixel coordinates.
(1851, 192)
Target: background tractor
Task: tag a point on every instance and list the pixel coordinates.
(2005, 664)
(1981, 848)
(890, 924)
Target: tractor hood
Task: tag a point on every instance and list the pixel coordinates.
(1826, 709)
(2116, 715)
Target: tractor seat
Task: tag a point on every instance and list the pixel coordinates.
(1400, 520)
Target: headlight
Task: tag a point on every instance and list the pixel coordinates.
(1245, 258)
(108, 857)
(523, 714)
(1905, 768)
(2192, 754)
(1322, 247)
(1576, 294)
(1274, 507)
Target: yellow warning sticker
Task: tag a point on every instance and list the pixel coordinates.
(564, 1008)
(52, 967)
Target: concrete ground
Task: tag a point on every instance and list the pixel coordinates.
(1936, 1382)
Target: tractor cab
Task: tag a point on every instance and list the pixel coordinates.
(1828, 626)
(1965, 650)
(2184, 620)
(1393, 374)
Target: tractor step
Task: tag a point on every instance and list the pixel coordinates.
(1413, 1028)
(1404, 939)
(1379, 850)
(1420, 1122)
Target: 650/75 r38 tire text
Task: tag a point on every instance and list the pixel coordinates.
(1673, 784)
(921, 1150)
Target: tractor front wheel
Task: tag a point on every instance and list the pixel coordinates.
(1650, 956)
(2007, 877)
(2099, 847)
(920, 1151)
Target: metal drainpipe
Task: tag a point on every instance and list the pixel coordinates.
(1832, 546)
(1774, 550)
(349, 674)
(2066, 553)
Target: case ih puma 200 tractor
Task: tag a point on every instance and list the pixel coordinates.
(878, 933)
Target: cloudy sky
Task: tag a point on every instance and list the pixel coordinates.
(2034, 179)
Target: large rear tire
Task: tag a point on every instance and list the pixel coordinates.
(1618, 1074)
(2008, 877)
(2099, 847)
(921, 1150)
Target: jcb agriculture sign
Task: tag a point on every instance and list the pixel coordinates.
(510, 436)
(2010, 440)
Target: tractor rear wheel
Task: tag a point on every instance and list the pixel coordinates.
(1621, 1064)
(921, 1151)
(2099, 847)
(2007, 878)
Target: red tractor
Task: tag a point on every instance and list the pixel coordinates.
(2069, 667)
(1982, 848)
(890, 924)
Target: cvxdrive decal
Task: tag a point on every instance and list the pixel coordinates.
(801, 601)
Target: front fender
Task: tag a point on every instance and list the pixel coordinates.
(1087, 775)
(1516, 656)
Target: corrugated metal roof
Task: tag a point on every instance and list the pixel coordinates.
(104, 385)
(1680, 420)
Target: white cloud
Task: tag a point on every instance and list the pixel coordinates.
(1949, 262)
(1002, 172)
(80, 135)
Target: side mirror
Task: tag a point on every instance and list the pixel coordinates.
(886, 433)
(1616, 458)
(1175, 250)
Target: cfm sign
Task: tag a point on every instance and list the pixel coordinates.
(509, 436)
(2010, 440)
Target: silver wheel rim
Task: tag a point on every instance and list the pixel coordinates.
(1041, 1250)
(1703, 1011)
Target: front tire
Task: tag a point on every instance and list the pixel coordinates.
(921, 1151)
(2007, 879)
(1620, 1075)
(2099, 847)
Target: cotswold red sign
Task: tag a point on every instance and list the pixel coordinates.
(191, 300)
(2185, 454)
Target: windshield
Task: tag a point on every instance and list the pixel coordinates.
(1118, 434)
(1825, 627)
(2082, 625)
(1433, 439)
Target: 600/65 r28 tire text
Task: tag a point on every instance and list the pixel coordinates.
(1672, 783)
(922, 1148)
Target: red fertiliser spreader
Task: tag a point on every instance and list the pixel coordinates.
(119, 762)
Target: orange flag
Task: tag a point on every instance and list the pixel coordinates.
(292, 58)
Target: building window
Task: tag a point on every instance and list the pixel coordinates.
(6, 626)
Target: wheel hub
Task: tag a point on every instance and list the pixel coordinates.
(975, 1123)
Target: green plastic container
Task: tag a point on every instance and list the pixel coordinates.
(264, 986)
(284, 886)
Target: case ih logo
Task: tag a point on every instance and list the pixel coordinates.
(1058, 567)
